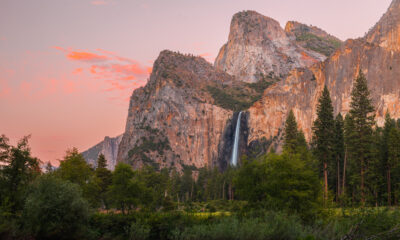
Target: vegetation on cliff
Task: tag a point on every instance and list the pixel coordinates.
(240, 97)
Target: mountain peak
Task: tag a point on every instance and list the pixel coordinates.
(386, 32)
(313, 38)
(252, 27)
(258, 47)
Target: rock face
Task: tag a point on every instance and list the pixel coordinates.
(108, 147)
(186, 114)
(257, 47)
(313, 38)
(377, 54)
(173, 121)
(386, 33)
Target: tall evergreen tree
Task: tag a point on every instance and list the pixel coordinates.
(104, 179)
(323, 135)
(291, 133)
(101, 161)
(350, 171)
(393, 159)
(361, 112)
(338, 151)
(389, 125)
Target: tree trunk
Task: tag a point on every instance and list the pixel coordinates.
(389, 188)
(326, 182)
(191, 191)
(230, 191)
(338, 182)
(223, 190)
(362, 184)
(344, 173)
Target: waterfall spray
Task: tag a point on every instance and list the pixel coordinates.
(235, 149)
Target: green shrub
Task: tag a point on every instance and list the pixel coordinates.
(55, 209)
(139, 231)
(273, 226)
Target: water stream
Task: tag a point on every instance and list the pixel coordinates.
(235, 149)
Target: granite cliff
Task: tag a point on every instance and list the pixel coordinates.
(186, 113)
(108, 147)
(258, 47)
(179, 118)
(313, 38)
(377, 54)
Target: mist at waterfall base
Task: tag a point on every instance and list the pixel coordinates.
(235, 149)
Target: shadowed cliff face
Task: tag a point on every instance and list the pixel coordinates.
(226, 144)
(108, 147)
(173, 121)
(302, 88)
(257, 47)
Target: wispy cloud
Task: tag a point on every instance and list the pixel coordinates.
(121, 74)
(83, 56)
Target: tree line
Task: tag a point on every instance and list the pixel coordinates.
(359, 161)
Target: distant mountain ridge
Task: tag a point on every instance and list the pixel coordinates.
(108, 147)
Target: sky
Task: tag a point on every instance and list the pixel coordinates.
(68, 67)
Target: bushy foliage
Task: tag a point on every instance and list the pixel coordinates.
(17, 169)
(273, 225)
(280, 182)
(55, 209)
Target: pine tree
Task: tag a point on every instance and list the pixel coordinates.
(348, 154)
(361, 112)
(323, 135)
(101, 161)
(393, 158)
(104, 180)
(338, 151)
(291, 133)
(389, 125)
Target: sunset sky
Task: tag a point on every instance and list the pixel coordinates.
(68, 67)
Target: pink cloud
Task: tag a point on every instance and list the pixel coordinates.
(121, 74)
(86, 56)
(82, 55)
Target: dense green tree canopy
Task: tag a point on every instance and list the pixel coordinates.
(55, 209)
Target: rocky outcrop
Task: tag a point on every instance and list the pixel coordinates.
(376, 54)
(108, 147)
(313, 38)
(386, 32)
(258, 47)
(174, 121)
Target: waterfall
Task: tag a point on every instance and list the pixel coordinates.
(235, 149)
